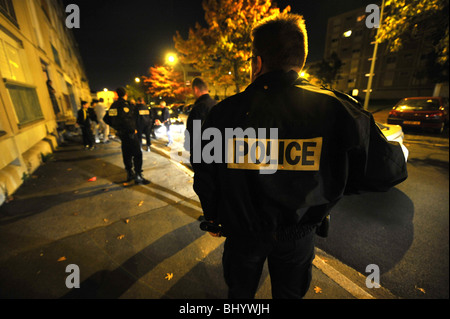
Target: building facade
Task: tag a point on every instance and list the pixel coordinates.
(397, 75)
(42, 83)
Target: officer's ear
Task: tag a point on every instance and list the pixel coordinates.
(257, 67)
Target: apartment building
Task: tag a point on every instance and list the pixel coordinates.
(397, 75)
(36, 47)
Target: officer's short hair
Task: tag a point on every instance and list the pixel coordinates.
(101, 100)
(199, 83)
(281, 41)
(121, 92)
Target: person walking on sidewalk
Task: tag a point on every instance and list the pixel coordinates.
(100, 111)
(121, 116)
(199, 111)
(84, 121)
(165, 120)
(144, 122)
(311, 146)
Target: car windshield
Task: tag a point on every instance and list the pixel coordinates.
(418, 105)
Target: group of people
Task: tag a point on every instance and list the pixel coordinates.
(275, 217)
(90, 120)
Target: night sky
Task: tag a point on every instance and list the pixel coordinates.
(120, 40)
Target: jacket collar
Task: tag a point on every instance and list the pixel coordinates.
(203, 97)
(274, 79)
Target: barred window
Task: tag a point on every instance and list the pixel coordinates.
(7, 9)
(26, 103)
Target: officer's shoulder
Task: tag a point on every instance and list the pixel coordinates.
(329, 92)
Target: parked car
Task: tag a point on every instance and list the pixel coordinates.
(394, 133)
(424, 112)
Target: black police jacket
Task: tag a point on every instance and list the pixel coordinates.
(122, 117)
(144, 116)
(327, 147)
(200, 110)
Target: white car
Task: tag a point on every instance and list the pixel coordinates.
(394, 133)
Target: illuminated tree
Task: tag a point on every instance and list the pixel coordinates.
(406, 18)
(166, 83)
(223, 47)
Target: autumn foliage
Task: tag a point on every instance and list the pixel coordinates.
(166, 83)
(220, 50)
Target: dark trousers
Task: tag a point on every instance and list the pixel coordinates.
(145, 130)
(290, 266)
(88, 137)
(131, 152)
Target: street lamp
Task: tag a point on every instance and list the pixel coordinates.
(137, 80)
(172, 59)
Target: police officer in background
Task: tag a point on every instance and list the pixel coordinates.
(200, 110)
(122, 117)
(325, 150)
(144, 122)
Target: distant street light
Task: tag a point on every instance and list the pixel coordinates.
(172, 59)
(137, 80)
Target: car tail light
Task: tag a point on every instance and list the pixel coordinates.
(393, 113)
(436, 115)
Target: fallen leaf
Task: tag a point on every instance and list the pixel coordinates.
(127, 221)
(69, 169)
(169, 276)
(126, 184)
(120, 236)
(105, 220)
(93, 179)
(62, 259)
(141, 203)
(420, 289)
(317, 290)
(76, 214)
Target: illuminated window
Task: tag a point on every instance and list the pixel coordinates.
(15, 72)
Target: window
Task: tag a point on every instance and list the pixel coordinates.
(26, 103)
(35, 24)
(11, 60)
(7, 9)
(56, 55)
(14, 70)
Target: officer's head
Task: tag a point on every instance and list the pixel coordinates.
(279, 43)
(122, 93)
(199, 87)
(84, 104)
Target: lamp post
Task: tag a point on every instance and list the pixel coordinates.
(172, 59)
(372, 66)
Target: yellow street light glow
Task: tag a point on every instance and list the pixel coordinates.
(171, 58)
(137, 80)
(348, 33)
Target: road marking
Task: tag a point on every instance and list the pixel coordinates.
(341, 280)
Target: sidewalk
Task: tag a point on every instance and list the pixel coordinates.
(129, 241)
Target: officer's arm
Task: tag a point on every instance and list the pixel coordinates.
(205, 184)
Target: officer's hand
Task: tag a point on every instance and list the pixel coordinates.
(215, 235)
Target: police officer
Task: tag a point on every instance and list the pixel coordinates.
(144, 122)
(323, 151)
(122, 117)
(200, 110)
